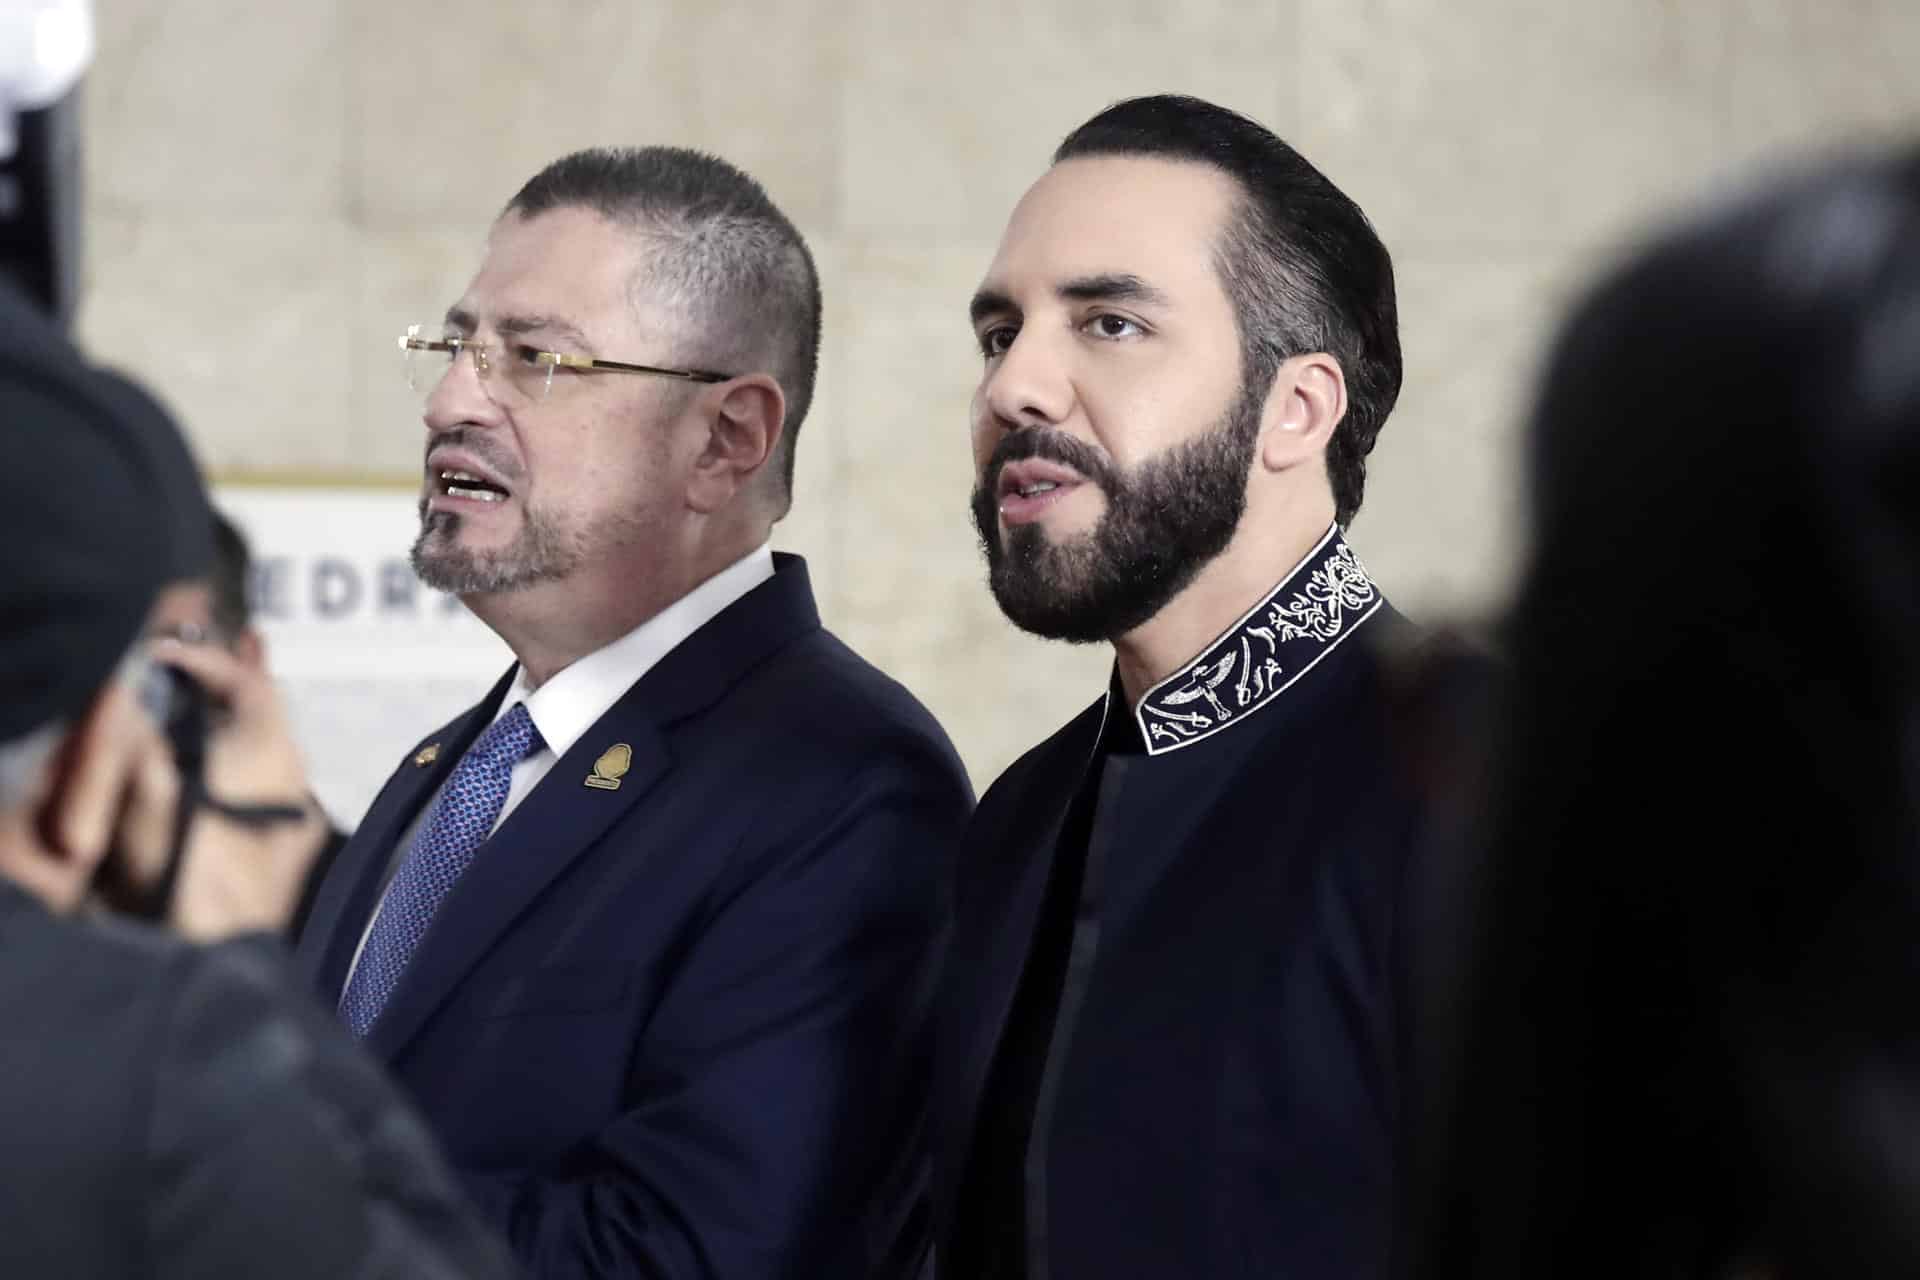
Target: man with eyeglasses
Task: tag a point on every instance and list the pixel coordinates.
(648, 932)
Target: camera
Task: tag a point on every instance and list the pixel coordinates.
(178, 706)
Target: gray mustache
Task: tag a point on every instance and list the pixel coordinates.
(477, 443)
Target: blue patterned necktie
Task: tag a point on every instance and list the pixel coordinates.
(459, 824)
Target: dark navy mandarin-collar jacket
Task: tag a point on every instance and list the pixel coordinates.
(678, 1026)
(1220, 1096)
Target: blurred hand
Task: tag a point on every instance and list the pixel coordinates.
(236, 878)
(116, 790)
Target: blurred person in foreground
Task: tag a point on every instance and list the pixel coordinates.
(213, 608)
(1689, 1045)
(649, 932)
(1171, 1018)
(171, 1109)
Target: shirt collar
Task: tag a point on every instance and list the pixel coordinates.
(1318, 604)
(569, 703)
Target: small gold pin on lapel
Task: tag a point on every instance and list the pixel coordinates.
(610, 767)
(426, 755)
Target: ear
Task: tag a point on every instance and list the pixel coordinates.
(743, 418)
(90, 773)
(1306, 402)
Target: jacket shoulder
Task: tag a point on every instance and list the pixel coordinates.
(87, 1006)
(260, 1100)
(1052, 763)
(819, 696)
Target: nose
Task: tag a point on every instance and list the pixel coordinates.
(1030, 385)
(460, 397)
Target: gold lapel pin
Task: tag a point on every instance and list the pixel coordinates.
(426, 755)
(611, 767)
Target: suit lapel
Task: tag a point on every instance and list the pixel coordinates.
(1009, 928)
(346, 899)
(562, 818)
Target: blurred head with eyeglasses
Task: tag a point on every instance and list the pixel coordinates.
(213, 608)
(612, 404)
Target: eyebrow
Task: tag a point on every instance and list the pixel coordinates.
(989, 302)
(462, 321)
(1113, 286)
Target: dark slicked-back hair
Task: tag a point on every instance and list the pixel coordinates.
(722, 250)
(1299, 260)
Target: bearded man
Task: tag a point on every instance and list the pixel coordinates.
(648, 934)
(1171, 1020)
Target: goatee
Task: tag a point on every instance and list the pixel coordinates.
(541, 552)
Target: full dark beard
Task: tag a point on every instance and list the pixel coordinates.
(541, 553)
(1165, 521)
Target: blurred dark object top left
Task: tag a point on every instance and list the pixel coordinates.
(45, 49)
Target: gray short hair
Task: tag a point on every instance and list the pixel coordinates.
(23, 763)
(723, 251)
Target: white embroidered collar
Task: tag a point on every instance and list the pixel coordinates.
(1321, 602)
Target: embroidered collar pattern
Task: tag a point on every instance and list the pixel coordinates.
(1322, 602)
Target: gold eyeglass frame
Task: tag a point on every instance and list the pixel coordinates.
(413, 340)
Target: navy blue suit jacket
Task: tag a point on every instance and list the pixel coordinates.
(678, 1028)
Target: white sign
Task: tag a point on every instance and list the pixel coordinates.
(369, 659)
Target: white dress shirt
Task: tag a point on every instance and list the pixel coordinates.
(577, 695)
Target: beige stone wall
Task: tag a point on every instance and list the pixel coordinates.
(276, 189)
